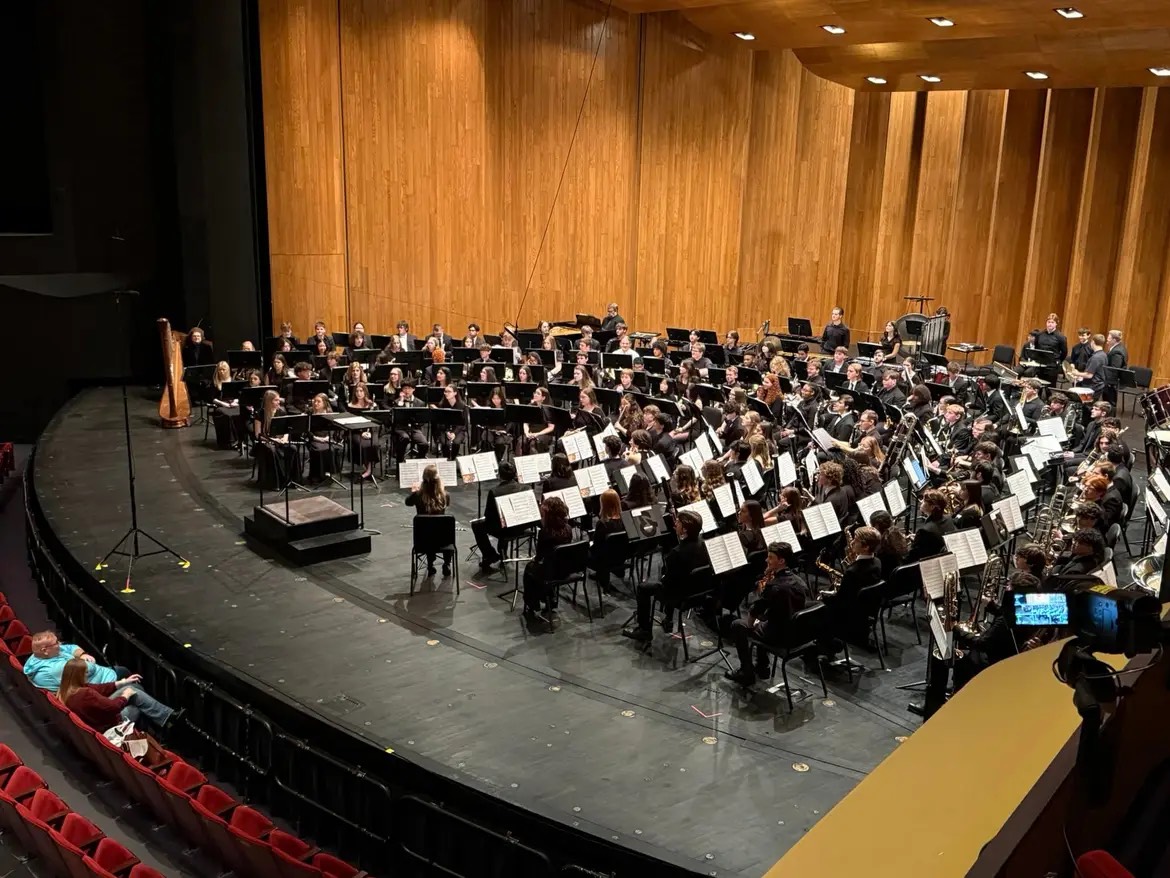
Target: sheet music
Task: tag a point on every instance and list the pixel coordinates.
(924, 461)
(751, 476)
(869, 505)
(482, 467)
(895, 499)
(811, 465)
(577, 446)
(822, 520)
(1020, 419)
(1155, 508)
(781, 532)
(591, 480)
(1160, 436)
(693, 459)
(725, 552)
(933, 570)
(1019, 485)
(967, 547)
(725, 500)
(944, 638)
(822, 438)
(932, 440)
(1024, 463)
(627, 473)
(532, 467)
(1013, 516)
(353, 421)
(785, 470)
(704, 447)
(1161, 485)
(518, 509)
(410, 471)
(658, 469)
(703, 509)
(716, 442)
(572, 498)
(599, 440)
(1053, 427)
(737, 493)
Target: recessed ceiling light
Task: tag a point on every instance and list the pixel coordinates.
(744, 35)
(876, 80)
(1160, 71)
(941, 21)
(1069, 12)
(926, 77)
(833, 28)
(1035, 74)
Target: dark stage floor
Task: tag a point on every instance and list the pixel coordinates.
(576, 724)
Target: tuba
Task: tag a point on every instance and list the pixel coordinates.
(991, 592)
(174, 409)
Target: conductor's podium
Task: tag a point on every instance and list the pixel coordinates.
(987, 787)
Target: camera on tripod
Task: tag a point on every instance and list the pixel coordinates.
(1103, 618)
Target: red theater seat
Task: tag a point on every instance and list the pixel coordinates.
(334, 867)
(112, 857)
(16, 631)
(9, 762)
(22, 649)
(47, 807)
(184, 777)
(38, 840)
(290, 845)
(144, 871)
(78, 831)
(23, 782)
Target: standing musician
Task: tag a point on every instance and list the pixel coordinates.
(1094, 371)
(1051, 339)
(779, 594)
(612, 318)
(197, 351)
(1116, 357)
(890, 340)
(836, 333)
(1082, 350)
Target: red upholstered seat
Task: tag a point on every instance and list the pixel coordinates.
(47, 807)
(112, 857)
(144, 871)
(23, 782)
(250, 822)
(78, 831)
(184, 776)
(334, 867)
(286, 843)
(8, 762)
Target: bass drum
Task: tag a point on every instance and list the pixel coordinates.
(1156, 405)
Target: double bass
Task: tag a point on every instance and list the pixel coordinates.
(174, 409)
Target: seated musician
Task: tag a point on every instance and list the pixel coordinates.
(496, 439)
(279, 370)
(620, 329)
(918, 403)
(452, 437)
(730, 378)
(429, 497)
(972, 511)
(286, 333)
(684, 486)
(749, 521)
(959, 384)
(1060, 406)
(363, 445)
(1086, 553)
(626, 346)
(831, 489)
(555, 530)
(999, 410)
(323, 452)
(731, 342)
(839, 421)
(223, 374)
(889, 394)
(1030, 559)
(731, 430)
(662, 442)
(1029, 407)
(538, 438)
(793, 432)
(588, 340)
(483, 529)
(609, 522)
(1097, 489)
(839, 362)
(854, 383)
(438, 358)
(320, 334)
(588, 414)
(640, 494)
(560, 477)
(894, 547)
(412, 437)
(393, 388)
(738, 453)
(849, 616)
(614, 461)
(864, 476)
(932, 527)
(678, 567)
(769, 394)
(1122, 477)
(625, 381)
(779, 594)
(1087, 515)
(711, 478)
(698, 359)
(867, 427)
(761, 453)
(790, 508)
(629, 417)
(358, 341)
(777, 365)
(1098, 413)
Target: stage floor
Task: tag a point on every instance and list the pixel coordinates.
(578, 724)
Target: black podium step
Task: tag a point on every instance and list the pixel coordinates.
(310, 550)
(312, 516)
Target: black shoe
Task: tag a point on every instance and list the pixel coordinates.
(174, 718)
(743, 677)
(430, 570)
(668, 625)
(486, 567)
(446, 570)
(639, 634)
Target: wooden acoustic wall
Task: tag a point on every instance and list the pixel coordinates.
(415, 147)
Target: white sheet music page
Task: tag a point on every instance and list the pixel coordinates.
(531, 467)
(869, 505)
(1024, 464)
(702, 509)
(1019, 485)
(932, 440)
(781, 532)
(933, 570)
(967, 547)
(627, 473)
(725, 552)
(811, 465)
(599, 440)
(572, 499)
(467, 468)
(1037, 454)
(895, 499)
(693, 459)
(725, 500)
(785, 470)
(1053, 427)
(577, 446)
(657, 465)
(822, 520)
(1161, 484)
(716, 442)
(944, 638)
(822, 438)
(591, 480)
(704, 446)
(737, 493)
(448, 471)
(1155, 508)
(1013, 516)
(410, 470)
(752, 477)
(518, 509)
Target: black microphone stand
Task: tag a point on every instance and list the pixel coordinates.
(135, 533)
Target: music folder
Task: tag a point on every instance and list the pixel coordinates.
(531, 467)
(481, 467)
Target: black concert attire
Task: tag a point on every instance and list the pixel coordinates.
(840, 425)
(1051, 341)
(1095, 368)
(928, 539)
(888, 344)
(324, 457)
(539, 571)
(1032, 410)
(483, 529)
(834, 366)
(450, 446)
(1111, 505)
(783, 595)
(1074, 565)
(834, 336)
(448, 555)
(609, 324)
(858, 386)
(1080, 354)
(849, 617)
(664, 444)
(843, 502)
(556, 483)
(363, 446)
(892, 399)
(998, 641)
(732, 430)
(592, 421)
(274, 458)
(598, 550)
(959, 438)
(1116, 357)
(998, 409)
(677, 583)
(201, 354)
(406, 437)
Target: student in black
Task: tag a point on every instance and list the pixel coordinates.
(780, 593)
(483, 529)
(678, 567)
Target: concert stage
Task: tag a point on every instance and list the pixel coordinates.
(577, 726)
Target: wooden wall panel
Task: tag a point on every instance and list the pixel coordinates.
(414, 150)
(303, 157)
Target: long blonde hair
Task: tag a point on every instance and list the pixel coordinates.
(760, 452)
(432, 496)
(72, 678)
(223, 372)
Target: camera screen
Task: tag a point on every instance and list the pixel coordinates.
(1044, 609)
(1098, 617)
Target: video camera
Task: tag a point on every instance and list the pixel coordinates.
(1103, 618)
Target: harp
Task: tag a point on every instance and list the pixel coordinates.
(174, 409)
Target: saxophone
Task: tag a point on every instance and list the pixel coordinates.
(950, 612)
(994, 582)
(832, 572)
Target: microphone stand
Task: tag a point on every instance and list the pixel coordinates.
(135, 534)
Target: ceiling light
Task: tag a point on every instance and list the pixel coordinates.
(876, 80)
(1069, 12)
(926, 77)
(1035, 74)
(833, 28)
(941, 21)
(744, 35)
(1160, 71)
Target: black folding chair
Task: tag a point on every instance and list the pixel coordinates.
(869, 600)
(569, 566)
(903, 589)
(801, 640)
(433, 535)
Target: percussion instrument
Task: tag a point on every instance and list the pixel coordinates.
(1156, 405)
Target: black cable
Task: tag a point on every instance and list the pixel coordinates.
(565, 166)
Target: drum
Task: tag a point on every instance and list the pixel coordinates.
(1156, 405)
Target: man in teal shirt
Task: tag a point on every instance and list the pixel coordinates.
(48, 660)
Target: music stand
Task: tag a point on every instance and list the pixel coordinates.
(801, 326)
(135, 533)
